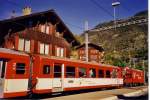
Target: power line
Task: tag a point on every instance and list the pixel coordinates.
(14, 3)
(75, 26)
(21, 6)
(101, 7)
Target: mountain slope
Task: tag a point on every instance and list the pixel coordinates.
(126, 43)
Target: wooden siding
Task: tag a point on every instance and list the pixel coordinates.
(36, 38)
(93, 54)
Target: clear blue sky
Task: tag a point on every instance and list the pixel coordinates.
(75, 12)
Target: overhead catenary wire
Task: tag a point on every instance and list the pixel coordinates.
(14, 3)
(75, 26)
(101, 7)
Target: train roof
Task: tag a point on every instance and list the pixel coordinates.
(134, 69)
(137, 70)
(10, 51)
(74, 60)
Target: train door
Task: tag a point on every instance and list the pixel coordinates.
(3, 67)
(58, 73)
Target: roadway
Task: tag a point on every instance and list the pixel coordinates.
(134, 93)
(126, 93)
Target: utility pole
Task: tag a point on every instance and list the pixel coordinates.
(130, 61)
(144, 72)
(86, 41)
(115, 4)
(134, 62)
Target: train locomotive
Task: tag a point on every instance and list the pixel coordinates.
(22, 74)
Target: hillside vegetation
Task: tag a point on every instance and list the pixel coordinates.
(125, 46)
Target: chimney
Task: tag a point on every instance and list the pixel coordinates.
(27, 11)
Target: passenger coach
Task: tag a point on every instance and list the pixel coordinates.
(14, 73)
(56, 75)
(22, 74)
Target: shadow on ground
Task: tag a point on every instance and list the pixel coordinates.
(46, 96)
(142, 97)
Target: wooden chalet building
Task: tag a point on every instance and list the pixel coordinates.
(95, 53)
(40, 33)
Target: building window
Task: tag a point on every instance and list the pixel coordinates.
(47, 29)
(44, 48)
(70, 72)
(41, 48)
(43, 28)
(60, 52)
(21, 44)
(92, 73)
(82, 51)
(20, 68)
(24, 45)
(57, 51)
(83, 58)
(82, 72)
(94, 51)
(93, 57)
(46, 69)
(27, 45)
(101, 73)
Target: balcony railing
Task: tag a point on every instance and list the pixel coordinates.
(44, 38)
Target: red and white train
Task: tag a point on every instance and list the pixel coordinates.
(133, 77)
(21, 74)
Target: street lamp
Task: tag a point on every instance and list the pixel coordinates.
(115, 4)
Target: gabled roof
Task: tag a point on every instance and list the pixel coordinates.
(91, 45)
(17, 24)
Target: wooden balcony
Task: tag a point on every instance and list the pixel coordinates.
(44, 38)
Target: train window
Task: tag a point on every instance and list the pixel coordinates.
(101, 73)
(2, 68)
(82, 72)
(107, 74)
(46, 69)
(70, 71)
(57, 71)
(92, 73)
(20, 68)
